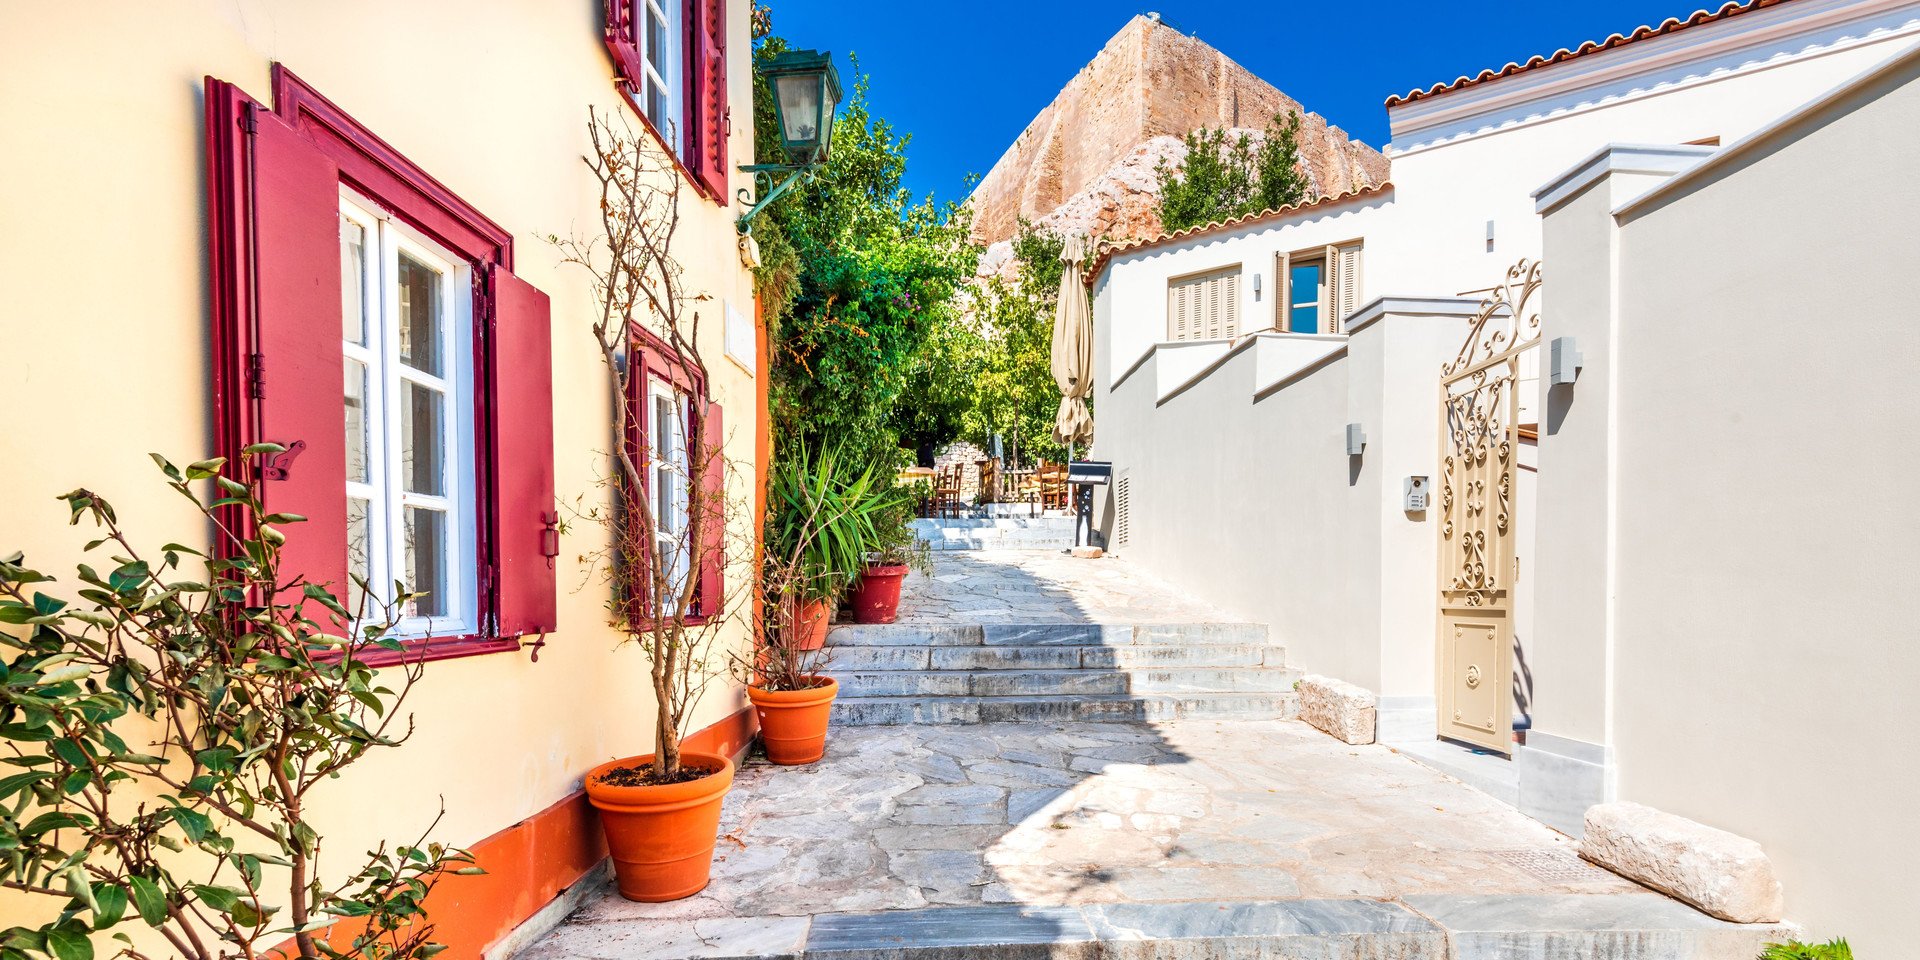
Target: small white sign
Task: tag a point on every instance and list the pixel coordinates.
(740, 338)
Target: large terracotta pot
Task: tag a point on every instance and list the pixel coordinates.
(877, 597)
(811, 625)
(793, 723)
(661, 837)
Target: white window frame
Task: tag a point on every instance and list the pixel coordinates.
(384, 491)
(669, 67)
(670, 473)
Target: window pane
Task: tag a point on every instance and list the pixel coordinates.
(359, 538)
(657, 109)
(353, 281)
(356, 421)
(656, 39)
(1305, 320)
(1306, 282)
(427, 561)
(420, 333)
(422, 412)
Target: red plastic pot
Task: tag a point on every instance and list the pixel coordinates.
(877, 597)
(661, 837)
(811, 625)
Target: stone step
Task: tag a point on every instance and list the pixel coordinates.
(857, 659)
(953, 526)
(1426, 927)
(1121, 708)
(1043, 634)
(998, 543)
(1004, 683)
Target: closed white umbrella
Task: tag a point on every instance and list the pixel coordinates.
(1073, 350)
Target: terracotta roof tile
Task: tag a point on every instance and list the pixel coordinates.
(1731, 9)
(1109, 251)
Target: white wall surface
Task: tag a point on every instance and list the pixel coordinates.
(1766, 654)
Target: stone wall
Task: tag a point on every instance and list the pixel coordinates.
(1085, 164)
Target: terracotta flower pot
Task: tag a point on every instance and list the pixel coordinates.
(661, 837)
(793, 723)
(877, 598)
(812, 625)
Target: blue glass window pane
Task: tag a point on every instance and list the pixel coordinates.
(1304, 320)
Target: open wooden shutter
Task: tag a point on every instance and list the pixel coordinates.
(707, 72)
(620, 43)
(1228, 318)
(1346, 296)
(1283, 303)
(275, 235)
(523, 505)
(712, 498)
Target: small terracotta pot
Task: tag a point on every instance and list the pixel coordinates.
(811, 625)
(793, 723)
(661, 837)
(877, 597)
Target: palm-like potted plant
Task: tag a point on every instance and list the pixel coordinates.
(824, 516)
(876, 595)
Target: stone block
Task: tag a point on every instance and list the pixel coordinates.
(1723, 874)
(1344, 710)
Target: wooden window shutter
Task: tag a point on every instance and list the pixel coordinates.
(1329, 283)
(708, 120)
(1229, 325)
(1177, 293)
(712, 499)
(1348, 299)
(523, 505)
(275, 253)
(620, 43)
(1283, 301)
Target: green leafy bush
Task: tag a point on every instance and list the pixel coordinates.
(1226, 175)
(1835, 949)
(244, 689)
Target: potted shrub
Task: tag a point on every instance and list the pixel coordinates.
(876, 596)
(822, 523)
(660, 810)
(791, 696)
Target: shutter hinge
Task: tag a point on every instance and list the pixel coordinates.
(248, 122)
(256, 376)
(280, 465)
(550, 537)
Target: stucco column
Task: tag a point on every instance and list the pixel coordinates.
(1572, 577)
(1395, 349)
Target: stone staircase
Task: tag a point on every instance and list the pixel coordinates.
(995, 533)
(1053, 672)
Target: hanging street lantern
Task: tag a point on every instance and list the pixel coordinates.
(806, 89)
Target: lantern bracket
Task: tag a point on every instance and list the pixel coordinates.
(766, 191)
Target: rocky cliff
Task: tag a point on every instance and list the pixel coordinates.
(1085, 164)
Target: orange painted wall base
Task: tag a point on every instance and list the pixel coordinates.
(534, 861)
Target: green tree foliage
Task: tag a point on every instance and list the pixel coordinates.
(163, 733)
(1795, 950)
(1227, 175)
(857, 277)
(1013, 393)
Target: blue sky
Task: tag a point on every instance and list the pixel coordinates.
(965, 78)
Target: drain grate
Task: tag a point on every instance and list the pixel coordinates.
(1554, 865)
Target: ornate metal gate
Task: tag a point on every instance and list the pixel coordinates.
(1478, 453)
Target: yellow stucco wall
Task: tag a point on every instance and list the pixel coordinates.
(106, 348)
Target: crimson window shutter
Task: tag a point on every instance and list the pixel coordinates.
(712, 496)
(708, 67)
(620, 43)
(276, 246)
(523, 507)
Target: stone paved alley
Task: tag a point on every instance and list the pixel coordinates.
(1043, 839)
